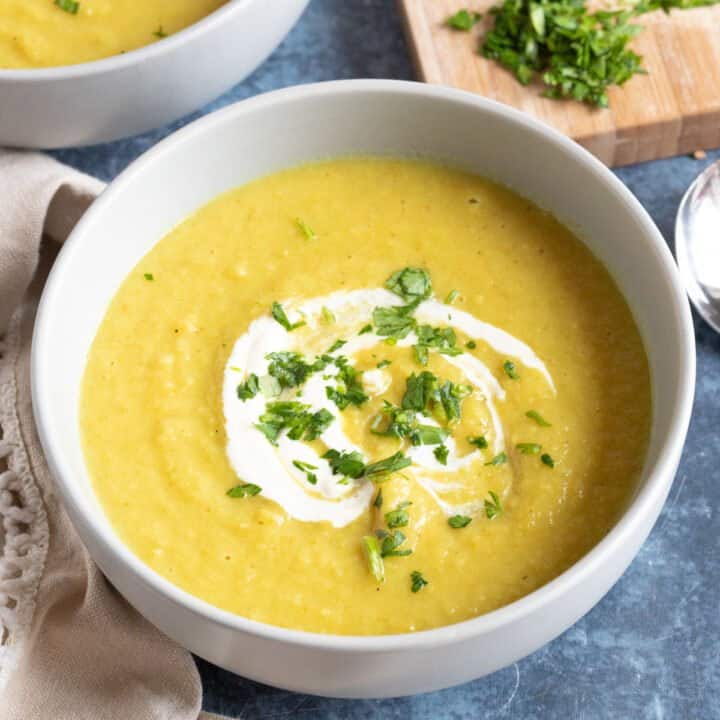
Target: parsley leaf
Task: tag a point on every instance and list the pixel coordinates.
(328, 317)
(443, 340)
(290, 369)
(459, 521)
(249, 388)
(547, 460)
(383, 363)
(411, 284)
(478, 441)
(278, 313)
(350, 390)
(305, 229)
(394, 321)
(417, 581)
(306, 468)
(538, 418)
(380, 469)
(349, 464)
(398, 517)
(378, 499)
(374, 557)
(149, 277)
(511, 370)
(336, 345)
(493, 508)
(499, 459)
(69, 6)
(464, 20)
(441, 454)
(295, 418)
(529, 448)
(365, 329)
(244, 490)
(391, 542)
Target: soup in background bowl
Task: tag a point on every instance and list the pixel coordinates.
(286, 225)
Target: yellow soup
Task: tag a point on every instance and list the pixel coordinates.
(366, 396)
(48, 33)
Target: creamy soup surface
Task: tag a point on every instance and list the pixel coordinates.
(49, 33)
(366, 396)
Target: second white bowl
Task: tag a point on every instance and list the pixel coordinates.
(128, 94)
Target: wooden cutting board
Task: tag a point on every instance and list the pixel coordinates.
(674, 109)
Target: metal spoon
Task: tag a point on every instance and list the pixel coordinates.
(697, 243)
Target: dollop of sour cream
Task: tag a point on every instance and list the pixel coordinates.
(255, 460)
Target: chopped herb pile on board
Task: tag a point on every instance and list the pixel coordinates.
(576, 54)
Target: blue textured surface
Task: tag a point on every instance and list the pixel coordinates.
(651, 648)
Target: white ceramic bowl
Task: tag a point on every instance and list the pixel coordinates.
(282, 129)
(128, 94)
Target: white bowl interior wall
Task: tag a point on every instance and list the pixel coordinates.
(295, 126)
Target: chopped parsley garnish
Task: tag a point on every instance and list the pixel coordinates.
(395, 321)
(529, 448)
(493, 508)
(464, 20)
(327, 315)
(428, 435)
(244, 490)
(547, 460)
(149, 277)
(249, 388)
(390, 544)
(290, 369)
(398, 517)
(441, 454)
(411, 284)
(311, 477)
(417, 581)
(295, 418)
(452, 296)
(459, 521)
(374, 557)
(425, 394)
(499, 459)
(511, 370)
(470, 344)
(383, 363)
(348, 464)
(337, 345)
(575, 52)
(69, 6)
(443, 340)
(451, 395)
(365, 329)
(306, 230)
(278, 313)
(349, 390)
(420, 391)
(160, 33)
(352, 465)
(538, 418)
(478, 441)
(378, 499)
(379, 470)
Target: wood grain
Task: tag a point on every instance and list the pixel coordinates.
(672, 110)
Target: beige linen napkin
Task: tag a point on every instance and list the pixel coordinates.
(70, 645)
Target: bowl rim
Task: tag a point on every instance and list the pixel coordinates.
(660, 475)
(162, 46)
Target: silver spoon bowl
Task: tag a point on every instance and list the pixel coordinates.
(697, 243)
